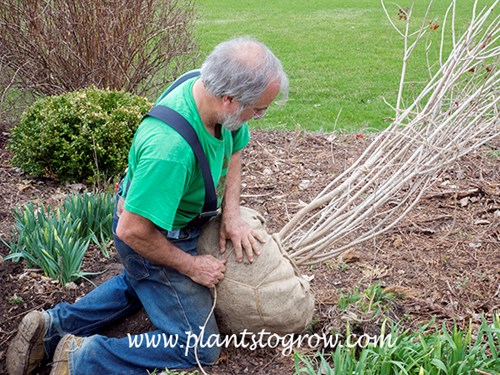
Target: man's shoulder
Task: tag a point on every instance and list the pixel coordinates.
(180, 97)
(157, 140)
(192, 75)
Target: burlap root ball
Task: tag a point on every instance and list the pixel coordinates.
(269, 294)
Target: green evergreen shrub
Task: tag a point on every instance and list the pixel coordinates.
(79, 136)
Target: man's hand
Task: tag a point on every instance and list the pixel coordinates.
(207, 270)
(241, 235)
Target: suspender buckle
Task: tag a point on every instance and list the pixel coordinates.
(210, 214)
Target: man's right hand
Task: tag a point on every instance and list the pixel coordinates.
(207, 270)
(142, 236)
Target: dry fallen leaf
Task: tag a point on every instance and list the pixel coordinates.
(402, 291)
(376, 272)
(350, 256)
(398, 242)
(464, 202)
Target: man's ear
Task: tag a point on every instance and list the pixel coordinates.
(226, 99)
(228, 102)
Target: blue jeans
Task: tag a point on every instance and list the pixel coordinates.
(177, 306)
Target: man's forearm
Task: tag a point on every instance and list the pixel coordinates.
(231, 202)
(232, 226)
(141, 235)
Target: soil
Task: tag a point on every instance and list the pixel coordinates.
(442, 260)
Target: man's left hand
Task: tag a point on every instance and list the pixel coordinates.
(241, 235)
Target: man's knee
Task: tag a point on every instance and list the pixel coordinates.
(208, 355)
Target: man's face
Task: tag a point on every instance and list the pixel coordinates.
(233, 121)
(241, 114)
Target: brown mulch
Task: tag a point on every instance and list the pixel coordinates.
(443, 259)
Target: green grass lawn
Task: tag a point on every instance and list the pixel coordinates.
(342, 56)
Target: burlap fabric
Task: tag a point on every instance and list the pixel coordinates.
(269, 294)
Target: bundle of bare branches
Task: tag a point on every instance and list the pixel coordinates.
(455, 113)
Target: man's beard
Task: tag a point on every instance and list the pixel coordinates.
(232, 121)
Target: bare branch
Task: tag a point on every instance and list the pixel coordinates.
(455, 113)
(57, 46)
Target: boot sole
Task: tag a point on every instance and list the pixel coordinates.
(21, 348)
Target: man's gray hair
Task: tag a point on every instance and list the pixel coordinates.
(242, 68)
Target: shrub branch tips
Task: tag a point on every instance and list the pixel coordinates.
(455, 113)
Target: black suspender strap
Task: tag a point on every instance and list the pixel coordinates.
(184, 128)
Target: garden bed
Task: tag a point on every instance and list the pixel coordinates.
(443, 259)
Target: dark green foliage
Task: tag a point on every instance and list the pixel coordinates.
(79, 136)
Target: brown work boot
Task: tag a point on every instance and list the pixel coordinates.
(60, 362)
(26, 350)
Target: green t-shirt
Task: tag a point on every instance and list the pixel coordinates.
(166, 184)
